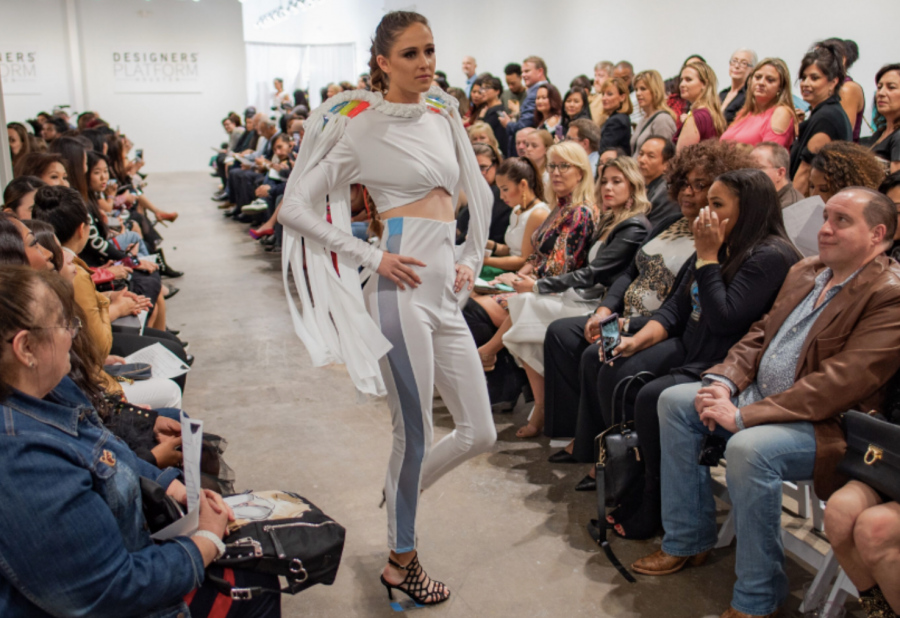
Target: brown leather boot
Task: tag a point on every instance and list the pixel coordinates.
(661, 563)
(733, 613)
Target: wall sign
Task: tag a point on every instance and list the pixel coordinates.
(19, 71)
(156, 71)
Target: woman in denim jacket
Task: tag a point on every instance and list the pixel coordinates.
(74, 539)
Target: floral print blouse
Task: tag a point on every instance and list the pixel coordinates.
(562, 242)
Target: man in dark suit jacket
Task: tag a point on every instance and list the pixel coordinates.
(828, 344)
(534, 74)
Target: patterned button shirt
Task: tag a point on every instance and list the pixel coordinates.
(779, 362)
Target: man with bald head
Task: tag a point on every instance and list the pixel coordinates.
(829, 344)
(468, 66)
(624, 70)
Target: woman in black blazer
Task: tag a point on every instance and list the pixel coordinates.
(616, 131)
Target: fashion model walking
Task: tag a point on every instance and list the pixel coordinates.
(403, 333)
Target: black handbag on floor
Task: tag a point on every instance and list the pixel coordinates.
(873, 452)
(280, 533)
(619, 468)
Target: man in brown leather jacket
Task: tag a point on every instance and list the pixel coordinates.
(829, 343)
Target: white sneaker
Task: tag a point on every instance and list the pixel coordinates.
(256, 206)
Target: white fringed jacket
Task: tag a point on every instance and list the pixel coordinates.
(400, 152)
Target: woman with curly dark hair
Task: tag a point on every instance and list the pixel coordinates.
(839, 165)
(570, 357)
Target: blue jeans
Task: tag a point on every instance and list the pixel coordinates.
(759, 459)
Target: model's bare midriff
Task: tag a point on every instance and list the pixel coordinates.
(437, 205)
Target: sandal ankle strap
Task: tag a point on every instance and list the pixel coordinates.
(399, 566)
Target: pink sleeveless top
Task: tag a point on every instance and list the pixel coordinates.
(758, 128)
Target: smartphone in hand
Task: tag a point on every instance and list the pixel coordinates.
(610, 337)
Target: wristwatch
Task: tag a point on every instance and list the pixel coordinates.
(220, 546)
(701, 263)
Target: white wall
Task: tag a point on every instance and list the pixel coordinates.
(176, 123)
(572, 35)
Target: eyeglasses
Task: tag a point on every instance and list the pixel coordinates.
(697, 186)
(73, 327)
(562, 167)
(485, 168)
(739, 63)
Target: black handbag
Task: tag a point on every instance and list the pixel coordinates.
(160, 510)
(288, 536)
(873, 452)
(619, 468)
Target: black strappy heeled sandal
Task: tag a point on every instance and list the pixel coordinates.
(416, 584)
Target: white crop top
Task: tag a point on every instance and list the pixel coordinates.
(515, 233)
(400, 160)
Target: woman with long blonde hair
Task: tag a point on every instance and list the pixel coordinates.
(705, 120)
(622, 229)
(659, 120)
(768, 112)
(560, 244)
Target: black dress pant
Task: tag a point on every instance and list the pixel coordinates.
(146, 284)
(243, 185)
(505, 382)
(125, 344)
(599, 380)
(564, 347)
(646, 423)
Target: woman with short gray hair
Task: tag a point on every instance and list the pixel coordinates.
(733, 98)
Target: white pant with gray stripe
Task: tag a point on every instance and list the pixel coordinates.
(432, 346)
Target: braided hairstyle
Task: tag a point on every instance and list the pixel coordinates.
(390, 27)
(845, 164)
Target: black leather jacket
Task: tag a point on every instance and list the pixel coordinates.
(590, 282)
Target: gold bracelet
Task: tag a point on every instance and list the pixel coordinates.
(701, 263)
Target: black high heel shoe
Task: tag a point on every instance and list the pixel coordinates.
(416, 584)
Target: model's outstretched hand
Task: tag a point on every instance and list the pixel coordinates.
(394, 267)
(464, 277)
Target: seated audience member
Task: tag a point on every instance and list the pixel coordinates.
(673, 92)
(658, 119)
(622, 229)
(53, 128)
(581, 81)
(488, 158)
(270, 231)
(547, 108)
(616, 131)
(624, 70)
(821, 73)
(608, 154)
(775, 160)
(18, 196)
(476, 105)
(742, 256)
(18, 246)
(515, 93)
(891, 188)
(569, 351)
(705, 120)
(64, 209)
(19, 144)
(520, 139)
(561, 243)
(828, 345)
(242, 182)
(768, 113)
(885, 143)
(583, 131)
(603, 70)
(273, 184)
(522, 189)
(839, 165)
(853, 99)
(126, 172)
(120, 571)
(536, 143)
(232, 125)
(245, 145)
(460, 95)
(47, 166)
(740, 68)
(534, 75)
(482, 133)
(653, 160)
(492, 89)
(575, 106)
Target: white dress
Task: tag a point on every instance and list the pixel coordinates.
(518, 220)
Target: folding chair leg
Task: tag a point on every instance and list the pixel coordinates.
(726, 533)
(818, 589)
